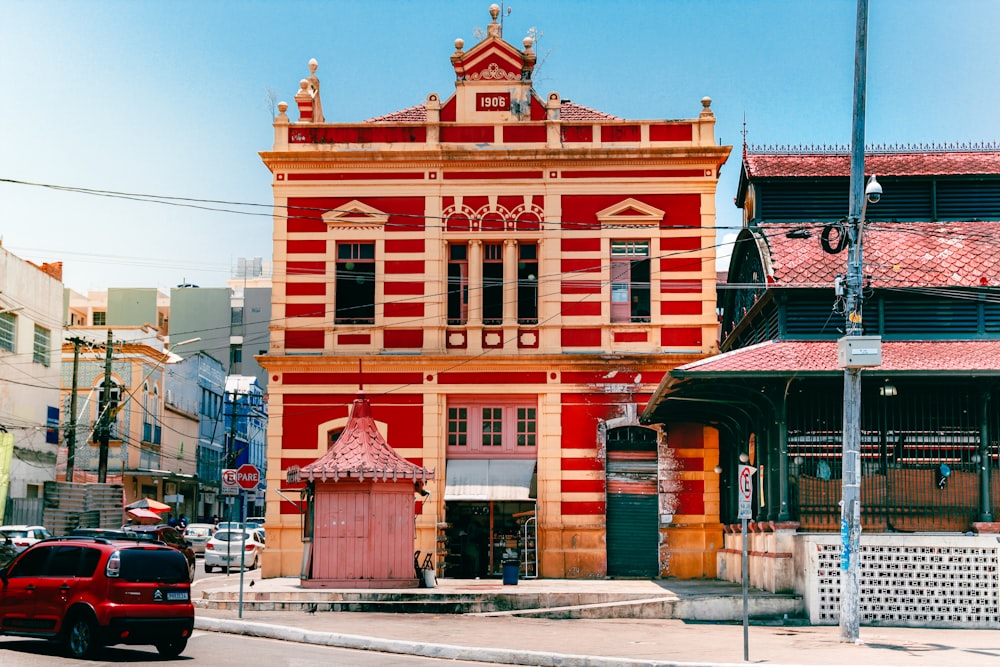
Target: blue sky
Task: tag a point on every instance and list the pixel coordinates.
(171, 98)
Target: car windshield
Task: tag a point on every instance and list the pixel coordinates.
(198, 530)
(16, 533)
(153, 565)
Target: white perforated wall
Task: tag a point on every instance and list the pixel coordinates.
(950, 581)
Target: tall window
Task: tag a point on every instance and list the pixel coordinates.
(527, 283)
(236, 358)
(100, 318)
(480, 429)
(630, 281)
(355, 297)
(458, 283)
(7, 328)
(42, 345)
(492, 283)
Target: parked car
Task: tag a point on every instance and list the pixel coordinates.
(255, 522)
(7, 549)
(109, 533)
(89, 592)
(24, 536)
(197, 534)
(169, 536)
(234, 548)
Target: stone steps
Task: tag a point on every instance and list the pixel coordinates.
(536, 605)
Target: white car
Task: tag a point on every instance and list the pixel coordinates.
(24, 536)
(234, 549)
(198, 534)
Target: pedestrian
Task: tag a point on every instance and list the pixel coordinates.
(171, 521)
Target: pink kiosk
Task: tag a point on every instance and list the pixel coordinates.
(359, 525)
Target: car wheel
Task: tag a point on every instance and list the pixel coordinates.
(81, 637)
(209, 569)
(256, 562)
(172, 649)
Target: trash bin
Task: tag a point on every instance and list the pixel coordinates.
(428, 580)
(511, 570)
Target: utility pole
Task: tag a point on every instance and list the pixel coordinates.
(71, 431)
(850, 518)
(105, 417)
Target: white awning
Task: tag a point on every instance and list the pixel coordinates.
(489, 479)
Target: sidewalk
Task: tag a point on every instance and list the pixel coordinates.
(595, 643)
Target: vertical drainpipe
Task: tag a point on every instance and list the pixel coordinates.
(783, 454)
(984, 459)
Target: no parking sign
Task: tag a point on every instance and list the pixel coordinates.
(745, 487)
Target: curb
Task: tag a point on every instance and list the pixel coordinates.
(442, 651)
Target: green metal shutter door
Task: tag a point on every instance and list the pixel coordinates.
(632, 535)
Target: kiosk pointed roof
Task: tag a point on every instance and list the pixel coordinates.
(360, 453)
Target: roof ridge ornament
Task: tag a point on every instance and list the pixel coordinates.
(875, 149)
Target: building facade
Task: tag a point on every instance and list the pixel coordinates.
(509, 276)
(30, 366)
(246, 430)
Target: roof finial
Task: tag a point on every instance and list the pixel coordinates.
(744, 133)
(494, 29)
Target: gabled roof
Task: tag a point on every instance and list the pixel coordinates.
(896, 254)
(894, 163)
(921, 357)
(359, 453)
(567, 111)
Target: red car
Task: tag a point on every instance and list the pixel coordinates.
(89, 592)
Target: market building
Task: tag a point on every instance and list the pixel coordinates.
(509, 275)
(929, 422)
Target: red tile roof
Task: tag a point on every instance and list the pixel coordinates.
(896, 254)
(913, 357)
(359, 453)
(572, 111)
(567, 111)
(417, 114)
(913, 163)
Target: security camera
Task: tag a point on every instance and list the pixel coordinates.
(873, 190)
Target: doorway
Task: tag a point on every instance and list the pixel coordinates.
(633, 537)
(480, 535)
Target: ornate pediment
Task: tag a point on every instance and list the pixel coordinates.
(355, 214)
(631, 211)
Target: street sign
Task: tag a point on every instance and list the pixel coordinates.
(229, 479)
(248, 477)
(745, 484)
(230, 491)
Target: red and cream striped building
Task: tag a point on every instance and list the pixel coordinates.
(514, 274)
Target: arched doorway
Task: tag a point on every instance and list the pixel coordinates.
(633, 538)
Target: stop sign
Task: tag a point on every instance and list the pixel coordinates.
(248, 476)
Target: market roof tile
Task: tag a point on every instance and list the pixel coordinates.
(896, 163)
(359, 453)
(897, 254)
(911, 357)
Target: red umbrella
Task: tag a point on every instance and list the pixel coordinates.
(144, 516)
(148, 504)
